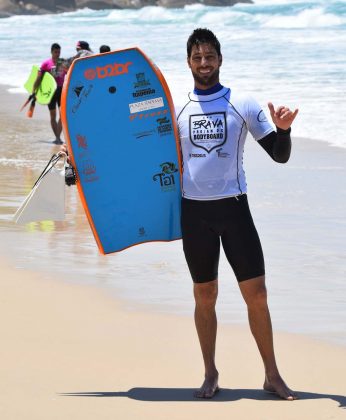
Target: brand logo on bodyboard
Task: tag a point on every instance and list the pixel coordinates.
(110, 70)
(166, 176)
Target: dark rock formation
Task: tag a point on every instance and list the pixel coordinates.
(182, 3)
(30, 7)
(96, 4)
(33, 7)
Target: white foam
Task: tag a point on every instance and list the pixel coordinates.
(194, 7)
(311, 18)
(149, 14)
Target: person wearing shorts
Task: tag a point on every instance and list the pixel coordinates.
(213, 125)
(55, 101)
(57, 68)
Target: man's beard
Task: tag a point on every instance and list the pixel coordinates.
(208, 80)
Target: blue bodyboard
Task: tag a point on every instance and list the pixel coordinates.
(120, 127)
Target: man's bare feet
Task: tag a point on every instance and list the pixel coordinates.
(277, 386)
(209, 387)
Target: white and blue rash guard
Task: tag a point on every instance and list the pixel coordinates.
(212, 130)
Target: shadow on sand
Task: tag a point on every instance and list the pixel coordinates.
(186, 394)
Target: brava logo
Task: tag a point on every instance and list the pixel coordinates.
(109, 70)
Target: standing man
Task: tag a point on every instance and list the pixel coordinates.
(56, 67)
(213, 126)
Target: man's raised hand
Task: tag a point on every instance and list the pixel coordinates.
(282, 116)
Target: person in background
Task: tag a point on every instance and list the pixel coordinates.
(56, 67)
(83, 49)
(104, 49)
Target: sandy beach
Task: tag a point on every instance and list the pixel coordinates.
(74, 350)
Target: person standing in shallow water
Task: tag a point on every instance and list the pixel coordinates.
(56, 67)
(213, 125)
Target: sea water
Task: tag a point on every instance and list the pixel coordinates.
(287, 52)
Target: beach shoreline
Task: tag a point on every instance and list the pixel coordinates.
(300, 222)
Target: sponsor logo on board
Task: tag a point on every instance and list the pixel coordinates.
(142, 115)
(141, 81)
(45, 93)
(78, 90)
(81, 142)
(110, 70)
(141, 232)
(88, 170)
(164, 126)
(143, 92)
(146, 105)
(142, 134)
(166, 176)
(81, 94)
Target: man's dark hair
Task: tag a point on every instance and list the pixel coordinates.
(55, 46)
(202, 36)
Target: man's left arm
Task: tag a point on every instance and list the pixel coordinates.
(278, 144)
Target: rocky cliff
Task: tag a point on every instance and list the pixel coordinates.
(11, 7)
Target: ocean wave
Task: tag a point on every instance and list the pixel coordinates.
(267, 15)
(310, 18)
(149, 14)
(263, 13)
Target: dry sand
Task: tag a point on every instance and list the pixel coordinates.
(73, 352)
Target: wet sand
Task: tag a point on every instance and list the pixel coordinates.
(73, 349)
(298, 209)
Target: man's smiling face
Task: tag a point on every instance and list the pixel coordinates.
(205, 64)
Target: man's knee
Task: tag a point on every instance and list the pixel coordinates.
(254, 292)
(206, 293)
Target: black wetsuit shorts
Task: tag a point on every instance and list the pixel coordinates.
(55, 99)
(204, 223)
